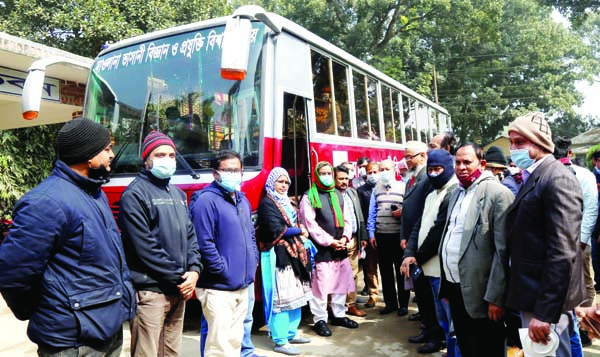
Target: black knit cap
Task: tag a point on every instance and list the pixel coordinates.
(495, 158)
(79, 140)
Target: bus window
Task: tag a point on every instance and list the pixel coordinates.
(409, 118)
(360, 105)
(340, 86)
(327, 117)
(294, 146)
(397, 115)
(388, 114)
(373, 109)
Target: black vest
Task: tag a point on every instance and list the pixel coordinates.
(325, 218)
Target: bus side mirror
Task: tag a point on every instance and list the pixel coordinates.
(235, 48)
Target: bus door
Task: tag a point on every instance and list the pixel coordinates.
(295, 148)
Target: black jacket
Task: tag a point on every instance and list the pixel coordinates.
(159, 238)
(414, 201)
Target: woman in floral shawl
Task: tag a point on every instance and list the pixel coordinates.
(286, 265)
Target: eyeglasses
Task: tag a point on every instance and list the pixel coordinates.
(230, 171)
(410, 157)
(283, 182)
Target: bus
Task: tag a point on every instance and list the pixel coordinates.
(255, 83)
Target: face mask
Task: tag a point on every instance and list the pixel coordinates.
(230, 181)
(513, 170)
(362, 172)
(163, 168)
(466, 182)
(521, 158)
(351, 175)
(326, 180)
(387, 177)
(99, 173)
(433, 174)
(372, 179)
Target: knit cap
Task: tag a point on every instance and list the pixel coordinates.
(495, 158)
(535, 128)
(440, 157)
(154, 140)
(80, 140)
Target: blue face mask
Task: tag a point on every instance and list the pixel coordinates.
(230, 181)
(163, 168)
(521, 158)
(326, 180)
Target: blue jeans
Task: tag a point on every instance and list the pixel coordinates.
(442, 310)
(247, 346)
(576, 347)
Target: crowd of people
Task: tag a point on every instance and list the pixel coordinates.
(497, 251)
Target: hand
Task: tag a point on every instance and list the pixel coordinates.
(373, 243)
(338, 244)
(589, 320)
(495, 313)
(186, 289)
(405, 268)
(403, 244)
(397, 213)
(304, 232)
(539, 331)
(363, 244)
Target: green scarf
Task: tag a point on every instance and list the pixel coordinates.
(315, 201)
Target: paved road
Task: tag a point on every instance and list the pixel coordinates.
(376, 336)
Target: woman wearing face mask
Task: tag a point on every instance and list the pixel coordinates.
(322, 212)
(286, 265)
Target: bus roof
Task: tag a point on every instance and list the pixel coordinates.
(294, 29)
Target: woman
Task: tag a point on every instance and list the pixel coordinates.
(286, 265)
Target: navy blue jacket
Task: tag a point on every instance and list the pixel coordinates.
(159, 238)
(225, 238)
(65, 251)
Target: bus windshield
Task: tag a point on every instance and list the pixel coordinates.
(172, 84)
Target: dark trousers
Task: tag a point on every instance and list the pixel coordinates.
(390, 259)
(426, 307)
(476, 337)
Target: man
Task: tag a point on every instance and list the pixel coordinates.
(445, 141)
(423, 244)
(161, 249)
(62, 264)
(546, 277)
(361, 179)
(473, 255)
(496, 162)
(417, 189)
(383, 225)
(370, 261)
(221, 215)
(326, 216)
(359, 233)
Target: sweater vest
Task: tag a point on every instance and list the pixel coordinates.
(325, 218)
(385, 223)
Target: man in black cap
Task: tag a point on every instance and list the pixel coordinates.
(496, 162)
(62, 264)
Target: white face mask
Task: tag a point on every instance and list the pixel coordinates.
(163, 168)
(350, 175)
(362, 172)
(387, 177)
(372, 179)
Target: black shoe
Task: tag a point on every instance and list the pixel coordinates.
(387, 310)
(321, 329)
(415, 317)
(429, 347)
(344, 322)
(585, 338)
(422, 338)
(402, 311)
(365, 292)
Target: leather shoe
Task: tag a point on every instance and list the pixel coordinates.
(354, 311)
(429, 347)
(402, 311)
(344, 322)
(321, 329)
(422, 338)
(387, 310)
(415, 317)
(371, 302)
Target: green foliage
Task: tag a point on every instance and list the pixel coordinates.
(25, 160)
(588, 157)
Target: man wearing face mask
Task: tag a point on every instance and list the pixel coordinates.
(370, 261)
(361, 179)
(161, 249)
(474, 257)
(221, 214)
(543, 228)
(383, 225)
(62, 263)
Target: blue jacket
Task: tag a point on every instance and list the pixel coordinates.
(159, 238)
(65, 252)
(225, 238)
